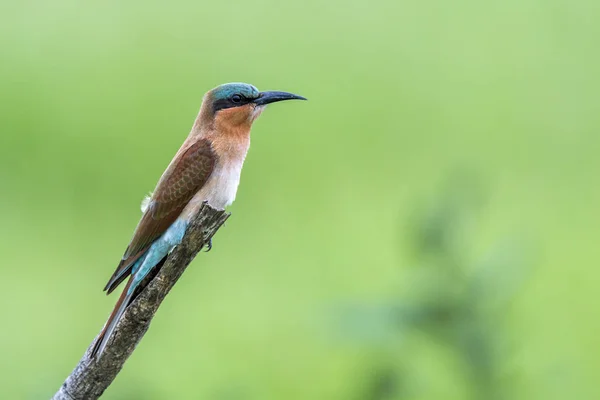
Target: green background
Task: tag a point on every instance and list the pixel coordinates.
(410, 104)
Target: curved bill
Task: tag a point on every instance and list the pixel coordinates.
(265, 98)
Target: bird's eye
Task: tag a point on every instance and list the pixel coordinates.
(236, 98)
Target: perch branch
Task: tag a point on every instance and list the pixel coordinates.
(91, 376)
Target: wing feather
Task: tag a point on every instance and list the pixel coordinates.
(180, 182)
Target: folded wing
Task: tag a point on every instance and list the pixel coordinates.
(181, 181)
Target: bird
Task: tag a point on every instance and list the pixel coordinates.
(206, 168)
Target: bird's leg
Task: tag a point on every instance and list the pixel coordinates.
(208, 245)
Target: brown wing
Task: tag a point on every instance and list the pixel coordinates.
(178, 185)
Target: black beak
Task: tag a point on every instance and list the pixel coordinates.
(265, 98)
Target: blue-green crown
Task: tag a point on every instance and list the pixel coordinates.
(227, 90)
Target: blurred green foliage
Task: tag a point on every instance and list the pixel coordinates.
(95, 98)
(456, 303)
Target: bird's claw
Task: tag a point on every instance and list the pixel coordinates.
(208, 245)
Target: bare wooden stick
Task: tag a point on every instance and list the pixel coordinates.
(91, 377)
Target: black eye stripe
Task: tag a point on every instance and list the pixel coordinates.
(234, 100)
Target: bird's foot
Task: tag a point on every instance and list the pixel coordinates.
(208, 245)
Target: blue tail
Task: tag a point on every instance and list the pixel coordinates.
(155, 253)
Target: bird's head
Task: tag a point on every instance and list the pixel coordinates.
(241, 103)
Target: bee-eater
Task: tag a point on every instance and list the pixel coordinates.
(207, 168)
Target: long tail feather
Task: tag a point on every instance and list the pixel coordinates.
(140, 268)
(110, 325)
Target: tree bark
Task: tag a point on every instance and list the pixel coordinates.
(92, 376)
